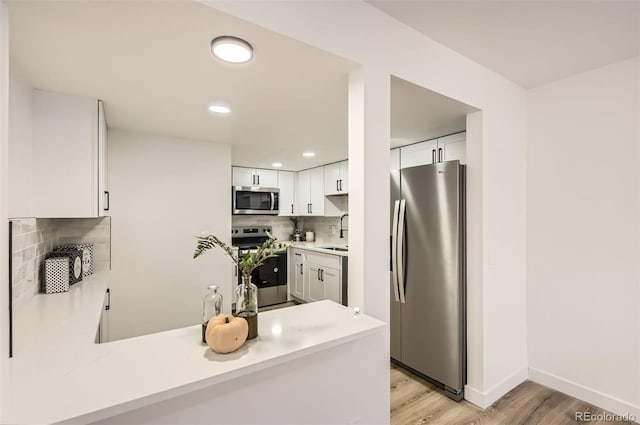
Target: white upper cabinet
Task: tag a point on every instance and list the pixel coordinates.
(447, 148)
(103, 181)
(454, 147)
(69, 160)
(303, 192)
(254, 177)
(332, 179)
(336, 178)
(287, 185)
(243, 176)
(394, 160)
(422, 153)
(310, 192)
(317, 191)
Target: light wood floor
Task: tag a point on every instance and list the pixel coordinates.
(415, 401)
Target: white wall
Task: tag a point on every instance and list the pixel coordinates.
(4, 213)
(583, 165)
(21, 145)
(361, 33)
(164, 192)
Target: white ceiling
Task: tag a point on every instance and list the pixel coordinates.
(529, 42)
(150, 62)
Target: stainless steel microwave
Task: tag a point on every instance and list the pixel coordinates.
(255, 200)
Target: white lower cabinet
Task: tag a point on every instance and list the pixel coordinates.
(314, 276)
(296, 274)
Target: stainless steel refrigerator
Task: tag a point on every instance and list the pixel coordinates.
(428, 273)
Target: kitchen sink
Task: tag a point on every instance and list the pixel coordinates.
(335, 248)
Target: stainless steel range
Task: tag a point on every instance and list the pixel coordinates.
(270, 278)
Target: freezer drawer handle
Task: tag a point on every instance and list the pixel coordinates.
(394, 251)
(401, 216)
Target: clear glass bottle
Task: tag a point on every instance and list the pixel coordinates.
(211, 306)
(247, 304)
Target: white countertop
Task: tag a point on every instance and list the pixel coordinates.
(320, 247)
(59, 374)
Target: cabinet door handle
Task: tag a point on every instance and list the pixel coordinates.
(439, 154)
(235, 270)
(433, 156)
(340, 185)
(337, 186)
(258, 176)
(107, 200)
(322, 275)
(301, 271)
(108, 306)
(291, 208)
(318, 274)
(310, 208)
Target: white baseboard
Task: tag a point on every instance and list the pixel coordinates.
(474, 396)
(583, 393)
(486, 399)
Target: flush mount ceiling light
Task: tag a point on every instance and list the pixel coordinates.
(308, 154)
(231, 49)
(220, 109)
(277, 164)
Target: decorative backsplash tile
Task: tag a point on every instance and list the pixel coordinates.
(33, 238)
(282, 227)
(327, 229)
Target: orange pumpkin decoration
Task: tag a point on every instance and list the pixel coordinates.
(226, 333)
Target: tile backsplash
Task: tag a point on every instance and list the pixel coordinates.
(282, 227)
(327, 229)
(33, 238)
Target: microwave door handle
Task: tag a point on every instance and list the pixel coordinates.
(273, 200)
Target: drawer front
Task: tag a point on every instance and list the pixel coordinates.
(325, 260)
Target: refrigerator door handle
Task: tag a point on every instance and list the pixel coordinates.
(394, 251)
(400, 249)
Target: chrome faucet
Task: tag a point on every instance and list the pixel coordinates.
(341, 229)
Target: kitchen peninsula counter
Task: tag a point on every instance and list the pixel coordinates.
(59, 374)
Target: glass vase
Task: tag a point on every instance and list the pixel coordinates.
(211, 306)
(247, 304)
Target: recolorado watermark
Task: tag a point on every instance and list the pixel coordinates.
(604, 417)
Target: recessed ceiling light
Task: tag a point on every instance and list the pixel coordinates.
(220, 109)
(277, 164)
(308, 154)
(231, 49)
